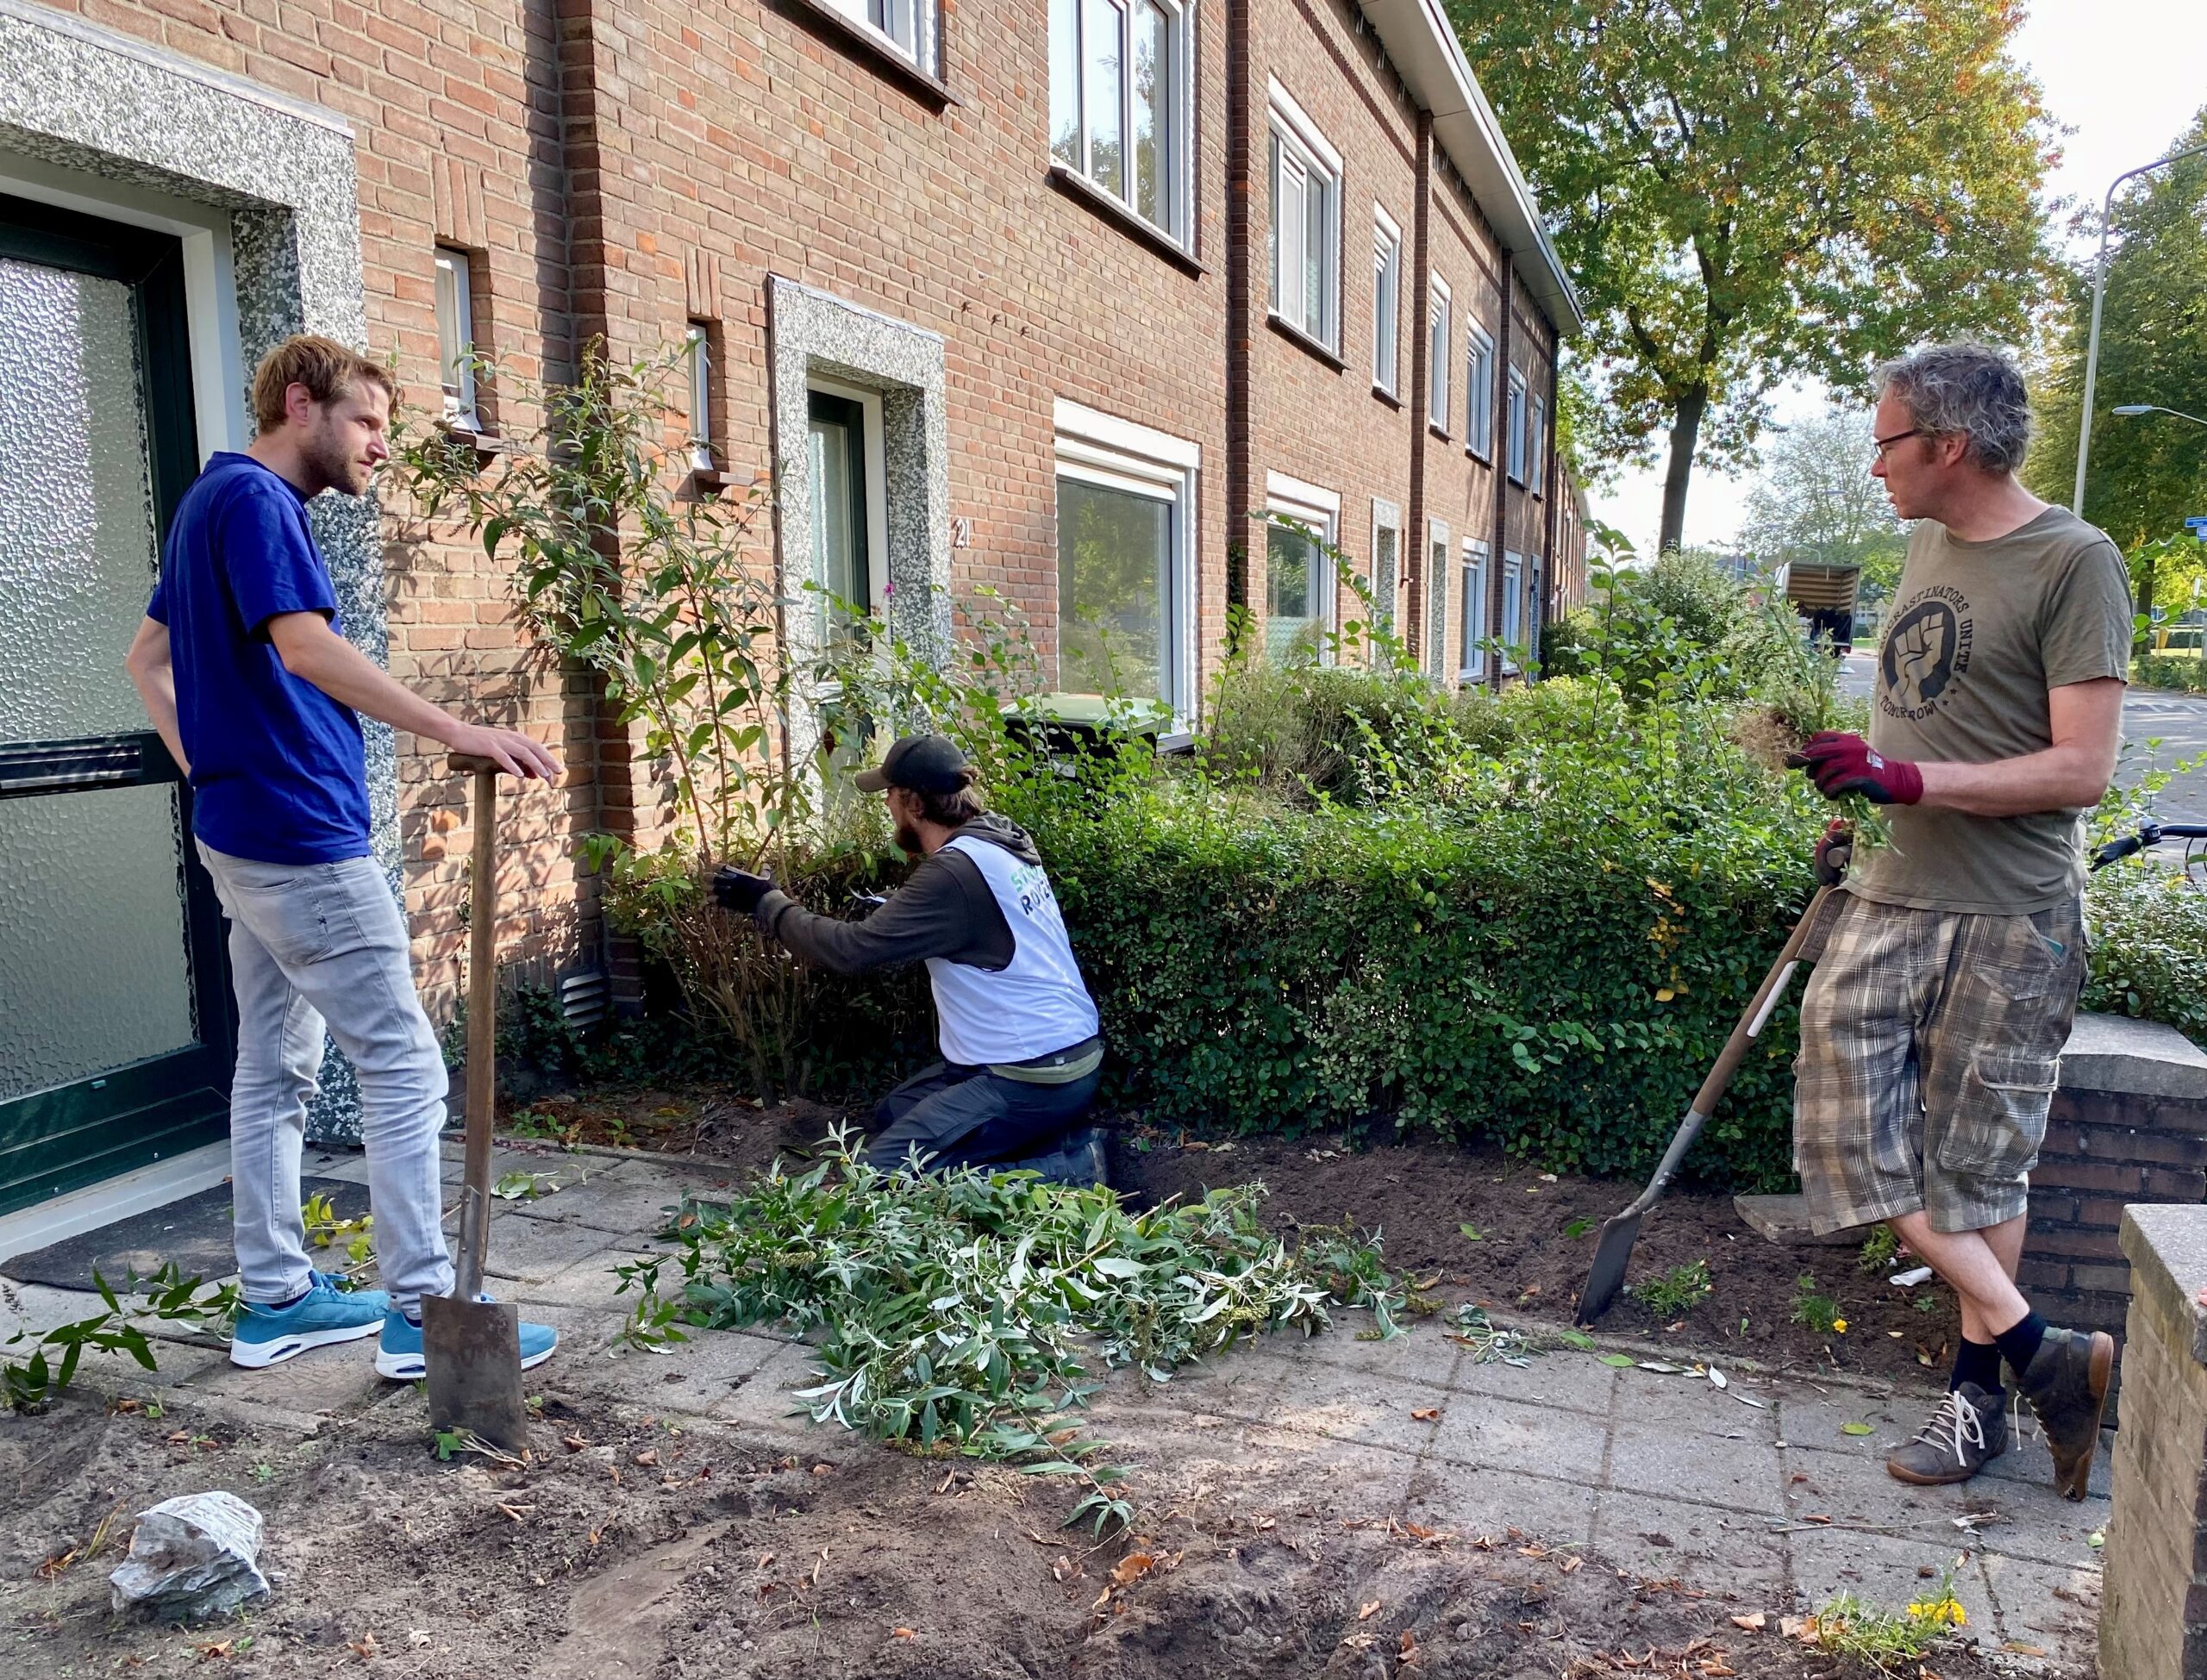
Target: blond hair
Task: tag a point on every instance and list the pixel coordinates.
(327, 369)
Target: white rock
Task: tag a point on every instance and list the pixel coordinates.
(192, 1557)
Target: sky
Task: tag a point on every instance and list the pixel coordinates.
(2125, 75)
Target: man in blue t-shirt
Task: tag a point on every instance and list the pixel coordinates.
(244, 667)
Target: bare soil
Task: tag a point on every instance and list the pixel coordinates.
(664, 1549)
(1536, 1232)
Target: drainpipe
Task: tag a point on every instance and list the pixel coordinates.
(1414, 543)
(1240, 277)
(1499, 545)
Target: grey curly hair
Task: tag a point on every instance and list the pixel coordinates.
(1972, 390)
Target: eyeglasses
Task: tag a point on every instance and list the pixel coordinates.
(1884, 444)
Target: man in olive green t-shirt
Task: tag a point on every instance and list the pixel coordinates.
(1933, 1028)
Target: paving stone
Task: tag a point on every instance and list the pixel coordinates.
(1449, 1496)
(762, 1403)
(700, 1375)
(1420, 1354)
(2045, 1604)
(588, 1283)
(1697, 1404)
(1661, 1538)
(1663, 1459)
(1243, 1384)
(1854, 1486)
(1302, 1473)
(1508, 1434)
(1354, 1405)
(1887, 1573)
(1574, 1381)
(2027, 1461)
(531, 1251)
(339, 1381)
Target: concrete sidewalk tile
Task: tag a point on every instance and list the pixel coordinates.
(589, 1282)
(1241, 1384)
(1483, 1430)
(2047, 1605)
(1297, 1472)
(762, 1399)
(531, 1251)
(1695, 1403)
(338, 1382)
(1578, 1382)
(2027, 1461)
(176, 1365)
(1818, 1421)
(700, 1375)
(1420, 1354)
(1474, 1502)
(1855, 1486)
(1664, 1458)
(1352, 1405)
(1887, 1573)
(1736, 1552)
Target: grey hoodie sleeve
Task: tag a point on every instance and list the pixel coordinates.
(946, 910)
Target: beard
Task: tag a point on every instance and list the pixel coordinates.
(908, 841)
(330, 458)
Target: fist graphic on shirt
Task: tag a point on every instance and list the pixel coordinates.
(1918, 654)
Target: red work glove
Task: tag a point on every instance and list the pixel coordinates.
(1833, 852)
(1842, 763)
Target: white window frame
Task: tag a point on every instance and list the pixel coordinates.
(1179, 181)
(1387, 288)
(697, 365)
(1386, 516)
(1478, 392)
(1536, 448)
(1298, 147)
(1099, 448)
(1514, 420)
(1471, 652)
(1440, 334)
(1436, 600)
(1513, 607)
(1321, 509)
(453, 288)
(910, 28)
(877, 484)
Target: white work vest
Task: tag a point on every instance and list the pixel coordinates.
(1034, 1004)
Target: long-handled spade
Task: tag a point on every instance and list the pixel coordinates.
(472, 1348)
(1618, 1234)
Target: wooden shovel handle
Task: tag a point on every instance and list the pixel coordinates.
(469, 763)
(482, 1024)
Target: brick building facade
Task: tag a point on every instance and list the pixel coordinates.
(995, 274)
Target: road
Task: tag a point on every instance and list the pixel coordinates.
(2180, 720)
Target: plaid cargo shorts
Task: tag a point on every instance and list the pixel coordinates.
(1930, 1045)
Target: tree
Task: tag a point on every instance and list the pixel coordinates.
(1748, 191)
(1815, 501)
(2149, 473)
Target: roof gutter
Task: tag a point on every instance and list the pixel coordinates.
(1430, 61)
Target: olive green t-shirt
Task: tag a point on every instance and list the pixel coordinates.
(1977, 633)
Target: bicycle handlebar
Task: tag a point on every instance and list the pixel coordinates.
(2149, 834)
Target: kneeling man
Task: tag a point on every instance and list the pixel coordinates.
(1020, 1044)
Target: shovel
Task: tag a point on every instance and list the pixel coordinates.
(472, 1348)
(1618, 1234)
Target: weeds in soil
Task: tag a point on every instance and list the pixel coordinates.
(1847, 1626)
(957, 1304)
(1490, 1342)
(1880, 1249)
(1819, 1312)
(33, 1379)
(1677, 1292)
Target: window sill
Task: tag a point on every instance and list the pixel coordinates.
(485, 444)
(1086, 192)
(832, 26)
(1483, 457)
(1301, 340)
(1387, 397)
(1437, 431)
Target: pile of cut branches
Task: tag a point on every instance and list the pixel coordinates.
(962, 1309)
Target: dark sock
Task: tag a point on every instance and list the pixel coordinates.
(1978, 1362)
(284, 1306)
(2019, 1343)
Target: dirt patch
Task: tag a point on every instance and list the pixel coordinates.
(1536, 1233)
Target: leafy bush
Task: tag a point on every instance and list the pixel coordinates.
(2149, 947)
(2183, 671)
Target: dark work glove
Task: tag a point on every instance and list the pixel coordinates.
(1834, 851)
(1842, 763)
(737, 889)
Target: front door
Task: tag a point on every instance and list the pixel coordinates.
(116, 1027)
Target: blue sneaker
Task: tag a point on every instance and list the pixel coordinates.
(325, 1314)
(398, 1355)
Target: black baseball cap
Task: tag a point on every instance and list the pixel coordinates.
(923, 764)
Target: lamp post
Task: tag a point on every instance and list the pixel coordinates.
(2099, 291)
(2132, 410)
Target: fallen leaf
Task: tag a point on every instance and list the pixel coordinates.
(1427, 1414)
(1131, 1568)
(1858, 1429)
(1621, 1361)
(1368, 1611)
(1719, 1378)
(365, 1647)
(1409, 1646)
(1268, 1522)
(1063, 1568)
(1572, 1562)
(2022, 1650)
(1754, 1624)
(648, 1458)
(903, 1633)
(218, 1648)
(419, 1636)
(2097, 1539)
(573, 1443)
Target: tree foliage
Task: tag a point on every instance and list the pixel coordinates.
(1747, 192)
(2149, 473)
(1815, 501)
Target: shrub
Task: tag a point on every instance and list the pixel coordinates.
(2182, 671)
(2149, 946)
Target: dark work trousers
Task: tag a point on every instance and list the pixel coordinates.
(963, 1116)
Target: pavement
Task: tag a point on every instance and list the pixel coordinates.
(2178, 721)
(1756, 1490)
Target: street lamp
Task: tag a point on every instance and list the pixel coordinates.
(2132, 410)
(2099, 291)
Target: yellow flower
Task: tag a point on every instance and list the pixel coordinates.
(1839, 1324)
(1944, 1611)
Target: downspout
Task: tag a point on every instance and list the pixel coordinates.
(1415, 541)
(1500, 546)
(1241, 273)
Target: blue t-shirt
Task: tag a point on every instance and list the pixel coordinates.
(278, 774)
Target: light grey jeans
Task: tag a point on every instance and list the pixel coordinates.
(314, 946)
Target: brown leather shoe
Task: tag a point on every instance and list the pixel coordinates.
(2066, 1387)
(1967, 1431)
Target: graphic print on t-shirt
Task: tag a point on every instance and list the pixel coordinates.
(1926, 654)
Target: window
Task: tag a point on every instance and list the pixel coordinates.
(1306, 184)
(1436, 358)
(1436, 605)
(1298, 574)
(1536, 452)
(456, 339)
(1386, 292)
(698, 358)
(1471, 661)
(1479, 394)
(1515, 420)
(1120, 116)
(1386, 562)
(1126, 520)
(906, 26)
(1513, 608)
